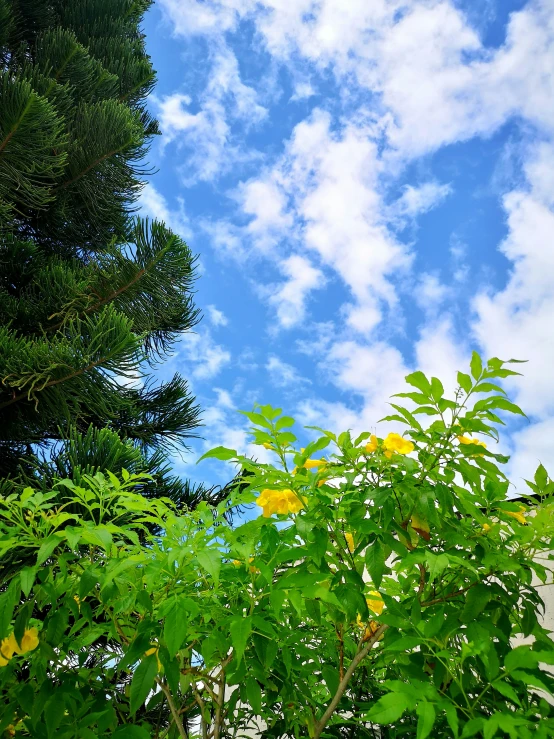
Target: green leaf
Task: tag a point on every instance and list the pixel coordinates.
(452, 718)
(476, 600)
(436, 563)
(491, 727)
(89, 578)
(472, 727)
(476, 366)
(143, 681)
(27, 576)
(388, 709)
(257, 419)
(269, 412)
(175, 627)
(408, 416)
(503, 404)
(315, 446)
(541, 477)
(464, 381)
(46, 549)
(404, 644)
(240, 630)
(331, 677)
(284, 422)
(488, 387)
(210, 560)
(73, 535)
(98, 535)
(172, 672)
(507, 691)
(219, 452)
(131, 732)
(23, 616)
(428, 410)
(8, 601)
(437, 391)
(375, 557)
(254, 695)
(418, 379)
(84, 733)
(427, 715)
(520, 657)
(285, 438)
(318, 547)
(57, 624)
(418, 398)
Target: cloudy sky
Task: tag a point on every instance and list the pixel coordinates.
(370, 188)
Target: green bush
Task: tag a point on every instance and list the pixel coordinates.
(382, 592)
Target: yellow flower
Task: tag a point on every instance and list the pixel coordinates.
(486, 528)
(314, 464)
(29, 641)
(322, 482)
(350, 541)
(396, 443)
(9, 646)
(468, 440)
(372, 445)
(279, 501)
(518, 515)
(154, 650)
(238, 563)
(370, 630)
(267, 445)
(376, 602)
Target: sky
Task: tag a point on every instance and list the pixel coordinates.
(370, 189)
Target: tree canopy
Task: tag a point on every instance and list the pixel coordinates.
(91, 297)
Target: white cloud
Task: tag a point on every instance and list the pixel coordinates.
(202, 355)
(198, 17)
(283, 374)
(266, 203)
(533, 445)
(417, 200)
(459, 252)
(207, 135)
(371, 372)
(217, 317)
(424, 59)
(426, 81)
(441, 353)
(225, 237)
(302, 91)
(517, 321)
(154, 204)
(430, 293)
(289, 298)
(331, 181)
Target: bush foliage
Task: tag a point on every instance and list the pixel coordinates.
(391, 588)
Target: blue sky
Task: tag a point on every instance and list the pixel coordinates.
(370, 189)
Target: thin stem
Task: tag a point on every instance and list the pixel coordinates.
(173, 709)
(324, 720)
(219, 704)
(202, 707)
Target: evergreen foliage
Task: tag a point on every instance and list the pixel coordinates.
(90, 296)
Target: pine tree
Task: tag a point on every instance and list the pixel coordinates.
(90, 296)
